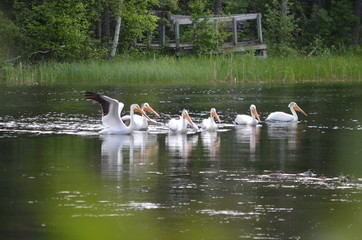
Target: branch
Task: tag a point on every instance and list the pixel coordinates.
(34, 53)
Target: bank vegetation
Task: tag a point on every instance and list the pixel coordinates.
(94, 41)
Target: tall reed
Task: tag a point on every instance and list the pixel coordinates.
(231, 67)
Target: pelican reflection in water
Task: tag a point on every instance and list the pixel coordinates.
(282, 130)
(210, 142)
(115, 151)
(286, 135)
(145, 145)
(181, 145)
(248, 134)
(118, 151)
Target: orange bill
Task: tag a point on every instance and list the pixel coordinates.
(150, 109)
(138, 109)
(256, 114)
(299, 110)
(215, 115)
(187, 117)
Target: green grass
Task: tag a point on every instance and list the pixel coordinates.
(231, 68)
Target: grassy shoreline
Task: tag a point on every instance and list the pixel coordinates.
(205, 69)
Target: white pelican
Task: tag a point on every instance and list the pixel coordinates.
(209, 123)
(141, 122)
(243, 119)
(284, 117)
(180, 124)
(111, 117)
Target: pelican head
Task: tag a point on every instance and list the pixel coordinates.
(136, 108)
(185, 115)
(254, 112)
(294, 106)
(147, 108)
(214, 114)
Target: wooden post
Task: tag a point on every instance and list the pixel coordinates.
(216, 25)
(177, 37)
(235, 33)
(162, 35)
(149, 37)
(259, 29)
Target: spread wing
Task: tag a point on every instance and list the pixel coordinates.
(111, 109)
(105, 104)
(109, 105)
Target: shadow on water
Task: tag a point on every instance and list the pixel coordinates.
(61, 180)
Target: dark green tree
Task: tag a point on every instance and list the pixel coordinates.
(280, 26)
(87, 27)
(9, 38)
(138, 21)
(329, 25)
(48, 25)
(206, 36)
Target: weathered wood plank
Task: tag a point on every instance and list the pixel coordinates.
(162, 35)
(177, 37)
(241, 46)
(259, 29)
(235, 32)
(184, 20)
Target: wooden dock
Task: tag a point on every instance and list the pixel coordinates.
(235, 45)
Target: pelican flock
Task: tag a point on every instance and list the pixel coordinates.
(115, 124)
(111, 118)
(141, 122)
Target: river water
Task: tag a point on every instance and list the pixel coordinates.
(59, 179)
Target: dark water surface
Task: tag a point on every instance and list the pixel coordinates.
(60, 180)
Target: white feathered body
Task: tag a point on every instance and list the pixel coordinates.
(209, 124)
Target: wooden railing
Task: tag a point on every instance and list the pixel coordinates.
(177, 20)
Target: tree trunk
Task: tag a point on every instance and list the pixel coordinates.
(105, 23)
(357, 9)
(217, 7)
(284, 8)
(98, 29)
(116, 36)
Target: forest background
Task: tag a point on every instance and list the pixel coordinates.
(34, 31)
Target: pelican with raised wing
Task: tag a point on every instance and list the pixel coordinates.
(243, 119)
(285, 117)
(111, 114)
(209, 123)
(141, 122)
(180, 124)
